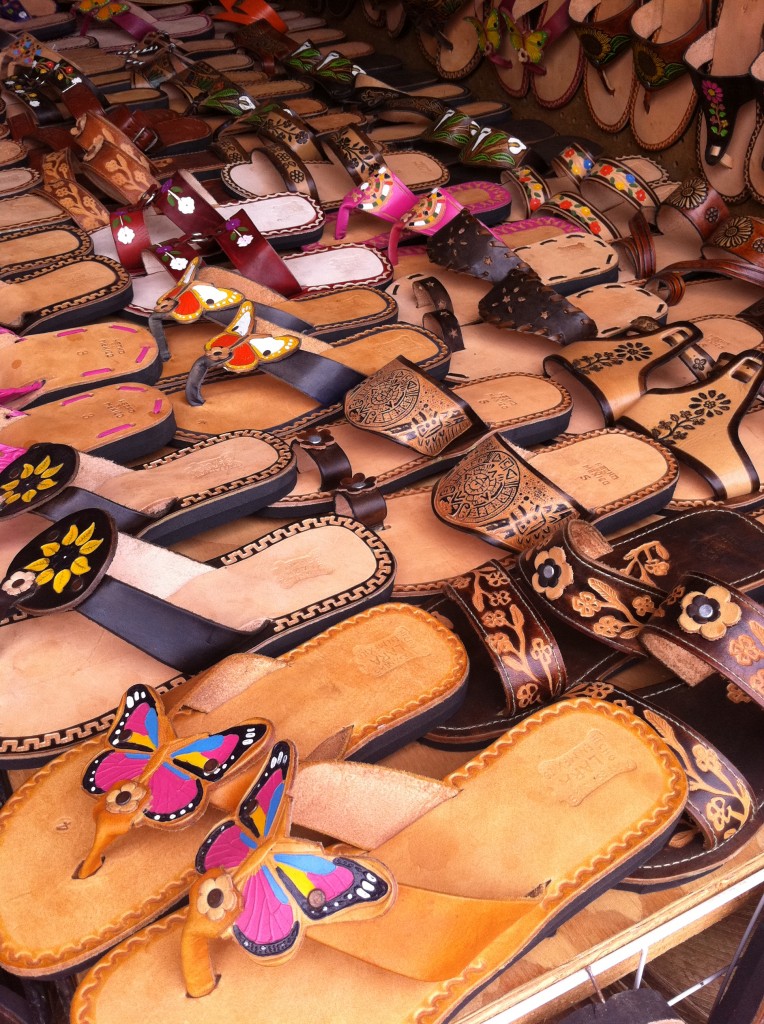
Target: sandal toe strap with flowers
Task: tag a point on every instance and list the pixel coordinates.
(571, 582)
(705, 626)
(699, 423)
(720, 97)
(608, 178)
(605, 40)
(572, 208)
(616, 372)
(35, 477)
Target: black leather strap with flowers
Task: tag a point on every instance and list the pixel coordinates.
(318, 448)
(602, 41)
(354, 150)
(720, 96)
(574, 585)
(707, 626)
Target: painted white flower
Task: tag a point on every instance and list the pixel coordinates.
(178, 263)
(18, 583)
(76, 80)
(245, 103)
(186, 204)
(243, 240)
(34, 103)
(125, 235)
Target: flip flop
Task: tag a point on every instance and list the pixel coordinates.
(118, 421)
(184, 616)
(394, 639)
(553, 52)
(164, 501)
(366, 957)
(603, 28)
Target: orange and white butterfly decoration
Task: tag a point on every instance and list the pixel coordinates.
(102, 10)
(243, 349)
(189, 299)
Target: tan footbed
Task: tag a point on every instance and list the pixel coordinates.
(713, 297)
(370, 674)
(29, 210)
(300, 570)
(500, 402)
(562, 60)
(15, 179)
(485, 886)
(263, 402)
(87, 421)
(84, 356)
(609, 106)
(755, 164)
(45, 245)
(51, 286)
(458, 48)
(659, 117)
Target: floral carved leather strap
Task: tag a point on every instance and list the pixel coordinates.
(263, 40)
(704, 763)
(602, 41)
(657, 65)
(522, 648)
(568, 578)
(115, 164)
(279, 124)
(616, 372)
(720, 97)
(699, 422)
(466, 245)
(706, 626)
(59, 180)
(408, 406)
(522, 302)
(355, 151)
(495, 492)
(693, 203)
(573, 209)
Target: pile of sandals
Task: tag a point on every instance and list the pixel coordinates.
(381, 499)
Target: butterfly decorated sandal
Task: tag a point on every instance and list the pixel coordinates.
(172, 768)
(551, 51)
(400, 424)
(193, 489)
(301, 933)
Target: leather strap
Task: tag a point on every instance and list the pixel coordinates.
(514, 505)
(521, 302)
(494, 148)
(741, 238)
(426, 216)
(572, 583)
(621, 179)
(466, 245)
(670, 280)
(707, 626)
(59, 181)
(264, 40)
(111, 160)
(616, 372)
(602, 41)
(699, 422)
(575, 161)
(354, 150)
(318, 448)
(573, 209)
(358, 497)
(383, 195)
(406, 405)
(693, 203)
(529, 186)
(657, 65)
(452, 128)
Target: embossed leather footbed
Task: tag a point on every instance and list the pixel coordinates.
(463, 865)
(373, 677)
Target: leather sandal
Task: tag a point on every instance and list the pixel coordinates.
(421, 663)
(118, 421)
(603, 29)
(159, 617)
(552, 52)
(164, 501)
(520, 913)
(39, 16)
(433, 423)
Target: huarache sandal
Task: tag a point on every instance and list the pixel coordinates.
(164, 501)
(119, 421)
(491, 918)
(155, 616)
(419, 665)
(48, 367)
(603, 28)
(400, 405)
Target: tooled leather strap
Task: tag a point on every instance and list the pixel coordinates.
(616, 372)
(521, 646)
(406, 405)
(429, 291)
(602, 41)
(695, 204)
(466, 245)
(111, 160)
(700, 422)
(657, 65)
(573, 209)
(640, 247)
(354, 150)
(703, 761)
(707, 626)
(742, 238)
(263, 40)
(522, 302)
(720, 96)
(571, 582)
(278, 124)
(59, 182)
(669, 282)
(495, 492)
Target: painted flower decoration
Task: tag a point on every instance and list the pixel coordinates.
(689, 194)
(709, 613)
(586, 604)
(712, 92)
(243, 240)
(60, 562)
(553, 574)
(178, 263)
(734, 232)
(125, 235)
(596, 44)
(30, 481)
(186, 204)
(216, 897)
(246, 103)
(710, 403)
(650, 65)
(18, 583)
(125, 798)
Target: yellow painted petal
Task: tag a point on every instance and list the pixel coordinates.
(11, 498)
(29, 495)
(50, 549)
(42, 466)
(45, 484)
(71, 535)
(51, 472)
(10, 486)
(80, 566)
(38, 565)
(91, 546)
(44, 577)
(85, 536)
(62, 578)
(27, 470)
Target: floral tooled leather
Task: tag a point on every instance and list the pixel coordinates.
(698, 203)
(603, 41)
(58, 173)
(494, 492)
